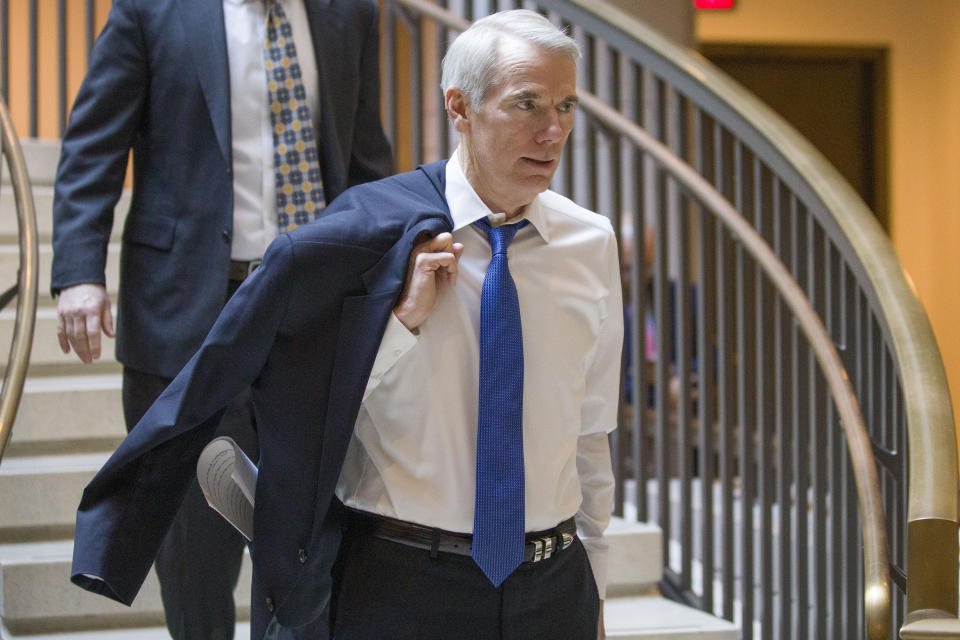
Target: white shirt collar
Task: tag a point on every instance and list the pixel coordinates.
(466, 207)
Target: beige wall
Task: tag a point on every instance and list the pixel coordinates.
(924, 43)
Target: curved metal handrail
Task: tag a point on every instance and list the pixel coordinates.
(876, 560)
(933, 469)
(875, 555)
(27, 278)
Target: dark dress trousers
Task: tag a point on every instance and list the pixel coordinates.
(302, 332)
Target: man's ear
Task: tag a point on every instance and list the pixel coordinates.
(458, 109)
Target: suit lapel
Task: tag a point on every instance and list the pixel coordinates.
(207, 40)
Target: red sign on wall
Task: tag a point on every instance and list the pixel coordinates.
(713, 4)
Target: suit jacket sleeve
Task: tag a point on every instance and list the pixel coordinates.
(371, 157)
(96, 146)
(127, 508)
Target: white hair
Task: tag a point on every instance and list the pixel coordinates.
(471, 61)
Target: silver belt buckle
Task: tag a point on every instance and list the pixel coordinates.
(542, 548)
(251, 266)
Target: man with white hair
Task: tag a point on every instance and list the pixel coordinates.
(440, 351)
(414, 465)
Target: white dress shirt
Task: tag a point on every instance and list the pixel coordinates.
(254, 182)
(413, 452)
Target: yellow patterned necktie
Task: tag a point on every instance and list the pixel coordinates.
(299, 185)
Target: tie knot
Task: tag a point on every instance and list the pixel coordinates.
(500, 237)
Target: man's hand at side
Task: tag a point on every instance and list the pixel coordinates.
(83, 310)
(432, 263)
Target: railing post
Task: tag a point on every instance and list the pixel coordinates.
(61, 66)
(5, 49)
(32, 32)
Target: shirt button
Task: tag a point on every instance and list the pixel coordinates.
(397, 353)
(302, 555)
(270, 606)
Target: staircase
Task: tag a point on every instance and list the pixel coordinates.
(70, 420)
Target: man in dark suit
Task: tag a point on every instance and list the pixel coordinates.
(311, 330)
(185, 85)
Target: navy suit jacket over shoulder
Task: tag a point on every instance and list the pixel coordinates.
(303, 332)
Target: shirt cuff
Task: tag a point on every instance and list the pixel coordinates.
(397, 340)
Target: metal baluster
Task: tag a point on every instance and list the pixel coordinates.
(680, 214)
(819, 398)
(416, 90)
(633, 97)
(865, 341)
(801, 427)
(706, 319)
(605, 144)
(835, 287)
(745, 406)
(725, 407)
(5, 49)
(852, 538)
(61, 65)
(91, 30)
(900, 554)
(765, 402)
(890, 462)
(32, 30)
(665, 341)
(584, 149)
(445, 138)
(390, 74)
(481, 8)
(783, 372)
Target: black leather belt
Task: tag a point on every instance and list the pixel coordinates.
(240, 269)
(540, 545)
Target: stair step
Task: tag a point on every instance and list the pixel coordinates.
(46, 347)
(42, 157)
(634, 562)
(43, 205)
(10, 263)
(652, 617)
(68, 414)
(38, 597)
(149, 633)
(39, 495)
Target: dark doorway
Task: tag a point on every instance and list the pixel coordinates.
(835, 96)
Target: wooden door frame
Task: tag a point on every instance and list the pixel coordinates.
(876, 57)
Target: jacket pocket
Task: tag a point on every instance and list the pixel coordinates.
(152, 231)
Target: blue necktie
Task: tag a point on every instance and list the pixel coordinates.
(498, 522)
